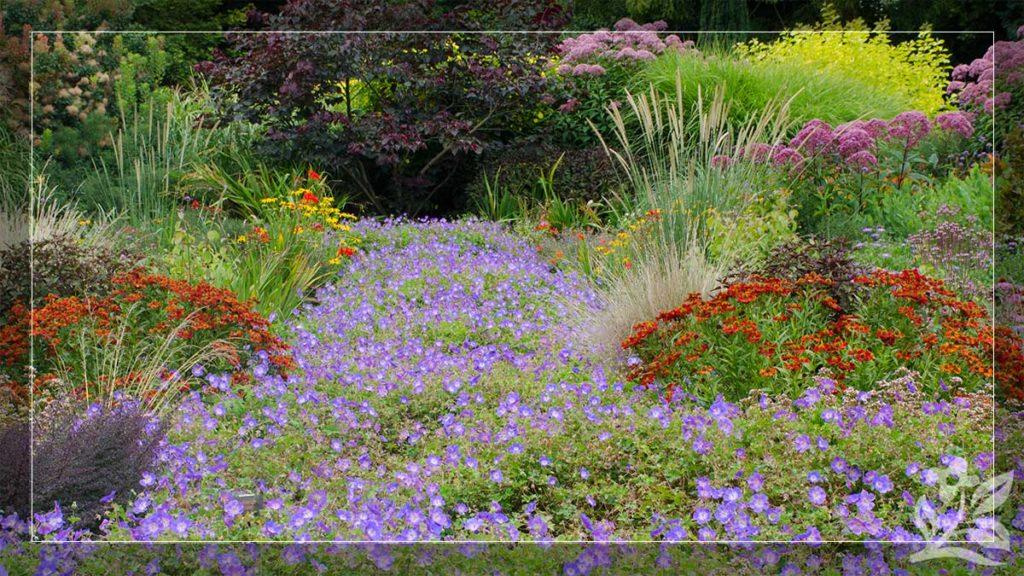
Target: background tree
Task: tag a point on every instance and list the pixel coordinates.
(400, 115)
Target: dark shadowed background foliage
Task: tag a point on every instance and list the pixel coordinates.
(414, 149)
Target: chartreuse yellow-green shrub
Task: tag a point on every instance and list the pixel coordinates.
(749, 87)
(914, 69)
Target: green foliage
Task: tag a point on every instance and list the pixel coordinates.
(498, 202)
(185, 50)
(538, 198)
(106, 126)
(290, 238)
(1010, 184)
(749, 235)
(726, 15)
(846, 205)
(242, 188)
(276, 277)
(14, 153)
(590, 95)
(585, 174)
(594, 14)
(750, 86)
(152, 151)
(914, 71)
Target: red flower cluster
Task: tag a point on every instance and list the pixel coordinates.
(157, 306)
(771, 333)
(1009, 364)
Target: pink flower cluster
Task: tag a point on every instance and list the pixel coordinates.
(909, 128)
(627, 42)
(854, 144)
(986, 81)
(779, 155)
(955, 122)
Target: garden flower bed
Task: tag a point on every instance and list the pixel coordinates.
(576, 302)
(401, 422)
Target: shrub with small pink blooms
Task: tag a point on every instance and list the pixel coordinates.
(596, 68)
(626, 44)
(989, 82)
(848, 169)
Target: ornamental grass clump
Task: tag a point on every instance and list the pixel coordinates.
(82, 463)
(681, 207)
(773, 334)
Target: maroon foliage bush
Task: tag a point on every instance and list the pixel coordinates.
(399, 115)
(89, 462)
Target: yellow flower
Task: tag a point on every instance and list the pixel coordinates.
(242, 239)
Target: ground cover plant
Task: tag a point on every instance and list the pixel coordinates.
(601, 301)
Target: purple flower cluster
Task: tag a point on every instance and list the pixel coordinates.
(729, 512)
(439, 374)
(957, 247)
(587, 54)
(854, 145)
(909, 128)
(955, 123)
(986, 82)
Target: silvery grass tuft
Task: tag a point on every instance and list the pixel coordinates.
(667, 154)
(154, 373)
(41, 215)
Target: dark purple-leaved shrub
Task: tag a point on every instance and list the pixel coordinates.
(14, 474)
(399, 117)
(61, 265)
(829, 258)
(87, 461)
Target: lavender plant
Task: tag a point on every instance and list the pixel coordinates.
(960, 251)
